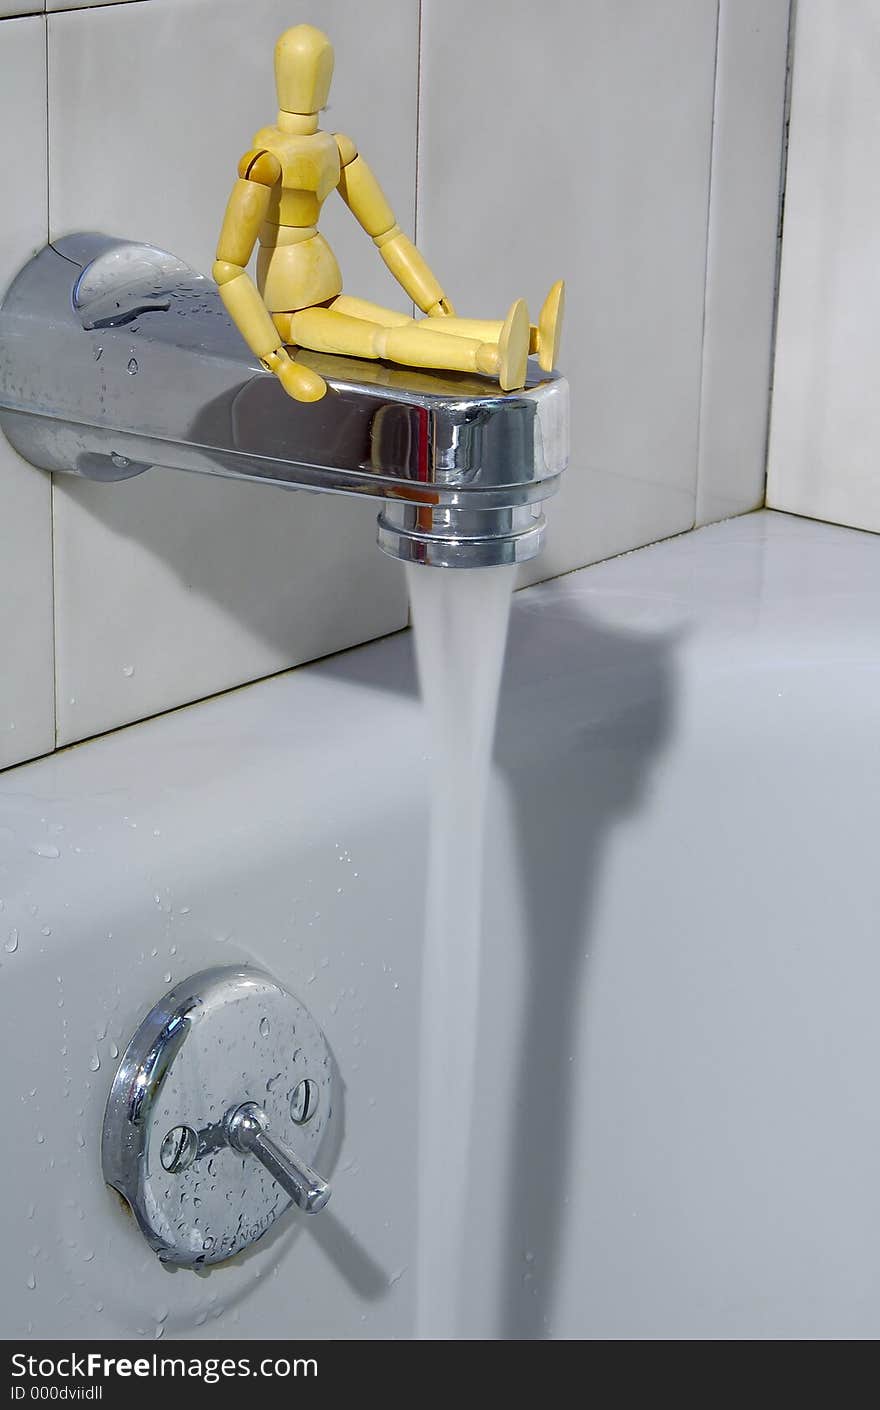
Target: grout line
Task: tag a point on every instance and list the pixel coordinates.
(416, 232)
(418, 173)
(55, 681)
(46, 55)
(783, 177)
(42, 12)
(706, 262)
(92, 5)
(651, 543)
(204, 699)
(53, 566)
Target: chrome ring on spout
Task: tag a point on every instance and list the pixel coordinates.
(487, 538)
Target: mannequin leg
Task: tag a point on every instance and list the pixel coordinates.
(415, 344)
(373, 313)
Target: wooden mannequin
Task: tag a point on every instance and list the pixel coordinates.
(298, 300)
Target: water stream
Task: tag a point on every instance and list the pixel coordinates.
(460, 622)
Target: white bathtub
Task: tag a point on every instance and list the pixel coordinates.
(678, 1075)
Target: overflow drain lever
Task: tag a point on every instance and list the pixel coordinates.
(224, 1076)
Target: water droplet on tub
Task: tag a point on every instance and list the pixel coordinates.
(12, 943)
(31, 1281)
(94, 1062)
(41, 1139)
(45, 849)
(132, 366)
(167, 976)
(264, 1027)
(128, 671)
(114, 1051)
(99, 352)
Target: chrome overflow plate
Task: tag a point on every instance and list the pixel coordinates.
(220, 1103)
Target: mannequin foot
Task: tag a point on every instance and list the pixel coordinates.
(513, 347)
(550, 326)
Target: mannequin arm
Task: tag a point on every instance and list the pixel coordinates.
(258, 174)
(246, 210)
(363, 195)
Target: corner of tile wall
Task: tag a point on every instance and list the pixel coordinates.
(27, 698)
(172, 587)
(743, 253)
(825, 424)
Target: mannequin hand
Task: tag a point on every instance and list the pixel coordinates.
(298, 381)
(441, 309)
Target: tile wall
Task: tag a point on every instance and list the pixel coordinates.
(631, 147)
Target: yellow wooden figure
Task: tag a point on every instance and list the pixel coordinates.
(297, 300)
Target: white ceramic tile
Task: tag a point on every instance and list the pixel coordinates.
(574, 140)
(20, 7)
(26, 653)
(825, 428)
(741, 265)
(196, 584)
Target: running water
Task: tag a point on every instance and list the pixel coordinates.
(460, 618)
